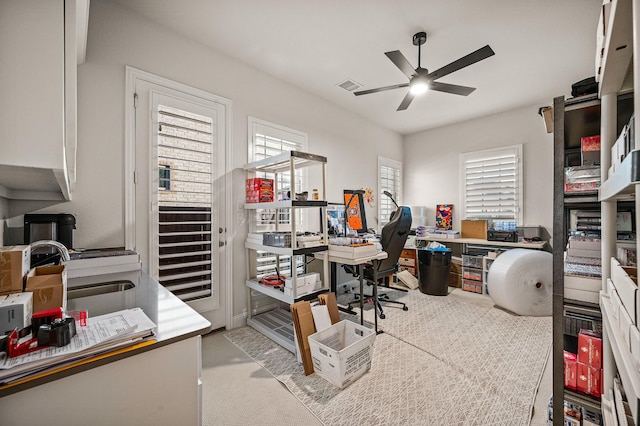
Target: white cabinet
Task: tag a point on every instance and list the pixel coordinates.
(277, 323)
(39, 46)
(159, 387)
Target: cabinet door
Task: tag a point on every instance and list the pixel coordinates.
(32, 83)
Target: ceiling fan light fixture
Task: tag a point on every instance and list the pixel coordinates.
(419, 85)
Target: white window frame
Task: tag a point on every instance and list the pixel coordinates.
(267, 128)
(276, 131)
(387, 162)
(513, 150)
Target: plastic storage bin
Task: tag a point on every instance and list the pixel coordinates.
(342, 353)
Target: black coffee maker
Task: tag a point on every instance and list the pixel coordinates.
(57, 227)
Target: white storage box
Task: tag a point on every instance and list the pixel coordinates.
(623, 281)
(342, 353)
(353, 252)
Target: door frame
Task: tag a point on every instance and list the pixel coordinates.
(132, 76)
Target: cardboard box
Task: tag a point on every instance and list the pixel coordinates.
(15, 311)
(624, 280)
(570, 370)
(589, 380)
(342, 353)
(634, 342)
(14, 265)
(473, 229)
(259, 190)
(624, 325)
(49, 287)
(590, 348)
(353, 252)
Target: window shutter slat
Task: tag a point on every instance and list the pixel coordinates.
(491, 184)
(185, 148)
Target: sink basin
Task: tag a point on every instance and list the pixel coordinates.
(99, 288)
(102, 298)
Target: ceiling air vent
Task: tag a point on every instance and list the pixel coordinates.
(349, 85)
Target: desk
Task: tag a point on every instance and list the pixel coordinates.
(538, 245)
(359, 261)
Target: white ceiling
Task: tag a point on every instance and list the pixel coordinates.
(541, 46)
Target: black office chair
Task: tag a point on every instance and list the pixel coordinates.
(393, 238)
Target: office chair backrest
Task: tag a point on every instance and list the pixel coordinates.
(394, 236)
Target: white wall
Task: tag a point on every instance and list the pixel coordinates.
(118, 38)
(431, 161)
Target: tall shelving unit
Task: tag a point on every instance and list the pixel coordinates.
(619, 75)
(277, 324)
(573, 119)
(620, 60)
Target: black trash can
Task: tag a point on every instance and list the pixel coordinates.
(434, 266)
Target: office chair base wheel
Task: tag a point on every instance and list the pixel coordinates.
(382, 316)
(404, 308)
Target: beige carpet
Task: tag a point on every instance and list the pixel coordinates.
(448, 360)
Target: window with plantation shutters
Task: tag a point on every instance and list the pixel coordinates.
(491, 184)
(389, 179)
(185, 161)
(267, 140)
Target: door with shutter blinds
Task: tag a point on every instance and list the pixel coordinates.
(180, 184)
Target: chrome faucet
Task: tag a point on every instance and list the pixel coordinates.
(64, 253)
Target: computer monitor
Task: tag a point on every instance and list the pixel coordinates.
(354, 210)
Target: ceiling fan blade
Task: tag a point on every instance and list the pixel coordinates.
(406, 101)
(465, 61)
(451, 88)
(381, 89)
(401, 62)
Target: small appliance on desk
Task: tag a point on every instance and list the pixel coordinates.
(502, 230)
(55, 227)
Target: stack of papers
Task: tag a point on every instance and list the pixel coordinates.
(104, 333)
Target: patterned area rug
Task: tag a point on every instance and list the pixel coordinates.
(453, 360)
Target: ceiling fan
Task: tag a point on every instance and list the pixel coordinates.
(421, 80)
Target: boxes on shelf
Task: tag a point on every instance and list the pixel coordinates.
(529, 233)
(586, 289)
(276, 239)
(472, 286)
(353, 251)
(625, 282)
(474, 229)
(589, 380)
(14, 266)
(455, 273)
(49, 287)
(15, 311)
(472, 274)
(343, 352)
(259, 190)
(472, 261)
(590, 348)
(305, 284)
(581, 179)
(570, 370)
(590, 150)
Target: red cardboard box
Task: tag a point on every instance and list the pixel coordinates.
(590, 348)
(570, 370)
(590, 151)
(590, 143)
(259, 190)
(589, 380)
